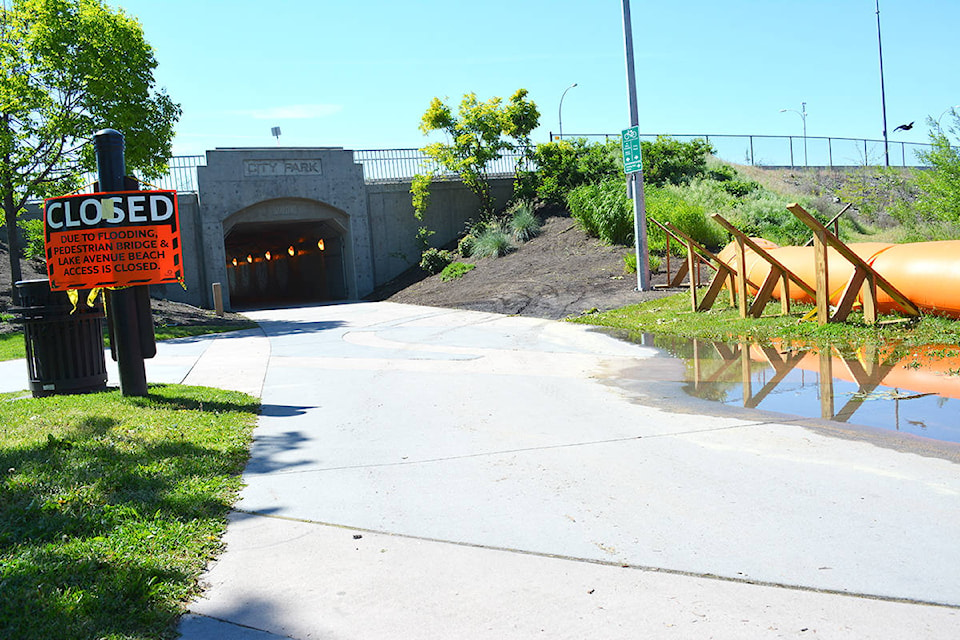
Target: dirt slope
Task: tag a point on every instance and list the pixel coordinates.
(559, 273)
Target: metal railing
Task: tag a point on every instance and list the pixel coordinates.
(396, 165)
(792, 151)
(379, 165)
(393, 165)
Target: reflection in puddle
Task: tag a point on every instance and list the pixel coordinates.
(916, 392)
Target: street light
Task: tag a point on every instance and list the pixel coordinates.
(883, 92)
(803, 116)
(560, 112)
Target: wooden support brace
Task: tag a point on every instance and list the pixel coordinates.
(692, 268)
(765, 292)
(682, 272)
(822, 295)
(849, 296)
(872, 279)
(777, 271)
(723, 270)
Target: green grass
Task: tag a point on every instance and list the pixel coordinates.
(111, 507)
(12, 346)
(672, 316)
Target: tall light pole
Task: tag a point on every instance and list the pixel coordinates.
(560, 112)
(635, 180)
(883, 95)
(803, 116)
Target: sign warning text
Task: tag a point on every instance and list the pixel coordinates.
(112, 240)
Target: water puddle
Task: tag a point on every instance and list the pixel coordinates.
(913, 391)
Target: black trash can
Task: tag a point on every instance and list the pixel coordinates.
(64, 350)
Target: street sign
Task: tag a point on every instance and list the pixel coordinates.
(630, 141)
(116, 239)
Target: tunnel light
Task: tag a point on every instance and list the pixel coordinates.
(320, 244)
(234, 261)
(249, 258)
(291, 251)
(267, 255)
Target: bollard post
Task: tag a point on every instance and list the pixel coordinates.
(218, 299)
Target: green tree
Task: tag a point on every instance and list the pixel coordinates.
(477, 135)
(939, 196)
(69, 68)
(669, 161)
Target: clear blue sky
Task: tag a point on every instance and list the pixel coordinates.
(360, 74)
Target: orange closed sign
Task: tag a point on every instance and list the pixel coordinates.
(115, 239)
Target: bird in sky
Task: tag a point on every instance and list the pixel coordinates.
(904, 127)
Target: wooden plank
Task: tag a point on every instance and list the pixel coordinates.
(716, 286)
(741, 276)
(785, 295)
(724, 271)
(835, 221)
(826, 237)
(869, 295)
(764, 293)
(820, 269)
(849, 296)
(681, 273)
(691, 265)
(762, 253)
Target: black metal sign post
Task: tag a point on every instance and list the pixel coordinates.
(131, 328)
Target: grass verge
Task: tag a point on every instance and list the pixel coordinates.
(111, 506)
(672, 316)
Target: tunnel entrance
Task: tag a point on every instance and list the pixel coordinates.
(285, 263)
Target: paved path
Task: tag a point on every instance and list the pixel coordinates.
(430, 473)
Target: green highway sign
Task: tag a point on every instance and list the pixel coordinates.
(630, 141)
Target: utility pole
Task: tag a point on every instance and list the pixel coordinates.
(635, 179)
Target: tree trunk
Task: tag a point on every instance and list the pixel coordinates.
(10, 218)
(13, 240)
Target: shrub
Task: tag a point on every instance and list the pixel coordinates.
(435, 260)
(940, 185)
(564, 165)
(739, 188)
(455, 270)
(465, 245)
(603, 211)
(492, 242)
(630, 262)
(523, 223)
(668, 205)
(32, 231)
(669, 161)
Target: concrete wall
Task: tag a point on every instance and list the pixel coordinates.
(284, 185)
(196, 287)
(394, 228)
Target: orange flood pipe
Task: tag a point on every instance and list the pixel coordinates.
(927, 273)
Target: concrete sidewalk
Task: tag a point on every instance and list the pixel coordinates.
(236, 361)
(431, 473)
